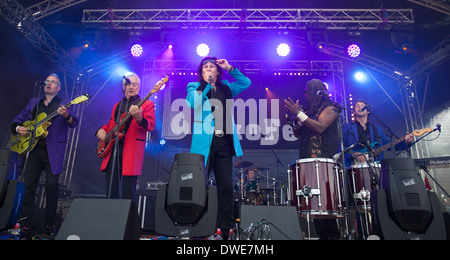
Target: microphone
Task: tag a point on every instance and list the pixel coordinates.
(367, 107)
(41, 83)
(346, 150)
(127, 81)
(210, 79)
(438, 127)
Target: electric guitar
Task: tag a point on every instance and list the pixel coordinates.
(385, 147)
(20, 143)
(105, 147)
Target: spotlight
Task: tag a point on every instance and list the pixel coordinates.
(86, 45)
(202, 50)
(283, 49)
(170, 46)
(405, 48)
(162, 141)
(353, 50)
(136, 50)
(360, 76)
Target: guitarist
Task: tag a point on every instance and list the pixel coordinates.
(48, 153)
(132, 145)
(361, 131)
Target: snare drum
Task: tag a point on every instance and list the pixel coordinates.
(315, 188)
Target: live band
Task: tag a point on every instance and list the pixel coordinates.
(315, 182)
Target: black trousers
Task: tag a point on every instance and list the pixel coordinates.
(38, 161)
(221, 162)
(127, 184)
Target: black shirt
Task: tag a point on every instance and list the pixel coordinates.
(314, 145)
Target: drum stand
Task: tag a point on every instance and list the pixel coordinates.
(307, 192)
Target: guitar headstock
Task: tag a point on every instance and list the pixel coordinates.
(422, 131)
(80, 99)
(160, 84)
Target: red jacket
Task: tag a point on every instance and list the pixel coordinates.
(134, 143)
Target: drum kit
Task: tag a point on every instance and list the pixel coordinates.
(251, 189)
(315, 187)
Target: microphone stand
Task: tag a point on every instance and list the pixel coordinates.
(33, 134)
(115, 153)
(388, 130)
(338, 109)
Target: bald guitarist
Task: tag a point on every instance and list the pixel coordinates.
(132, 144)
(48, 153)
(362, 132)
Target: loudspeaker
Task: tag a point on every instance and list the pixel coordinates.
(407, 197)
(100, 219)
(283, 221)
(186, 196)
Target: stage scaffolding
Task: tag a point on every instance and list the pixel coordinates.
(26, 21)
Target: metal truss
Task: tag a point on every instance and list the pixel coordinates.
(20, 18)
(442, 6)
(48, 7)
(333, 19)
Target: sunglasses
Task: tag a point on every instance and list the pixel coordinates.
(209, 60)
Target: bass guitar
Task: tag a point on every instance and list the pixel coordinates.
(105, 147)
(20, 143)
(385, 147)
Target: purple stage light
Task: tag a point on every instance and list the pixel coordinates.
(136, 50)
(283, 50)
(202, 50)
(353, 50)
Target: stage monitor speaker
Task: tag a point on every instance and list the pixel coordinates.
(187, 190)
(407, 197)
(100, 219)
(283, 221)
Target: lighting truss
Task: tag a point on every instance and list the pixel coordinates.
(48, 7)
(442, 6)
(333, 19)
(19, 17)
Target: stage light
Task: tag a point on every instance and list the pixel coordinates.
(202, 50)
(353, 50)
(136, 50)
(170, 46)
(162, 141)
(360, 76)
(283, 50)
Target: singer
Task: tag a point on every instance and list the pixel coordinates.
(318, 135)
(361, 131)
(130, 156)
(214, 131)
(48, 154)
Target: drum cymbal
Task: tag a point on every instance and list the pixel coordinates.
(242, 164)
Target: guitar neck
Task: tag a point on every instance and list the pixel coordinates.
(52, 115)
(387, 146)
(128, 116)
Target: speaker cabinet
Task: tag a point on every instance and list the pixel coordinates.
(283, 221)
(100, 219)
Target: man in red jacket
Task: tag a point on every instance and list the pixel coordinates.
(130, 156)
